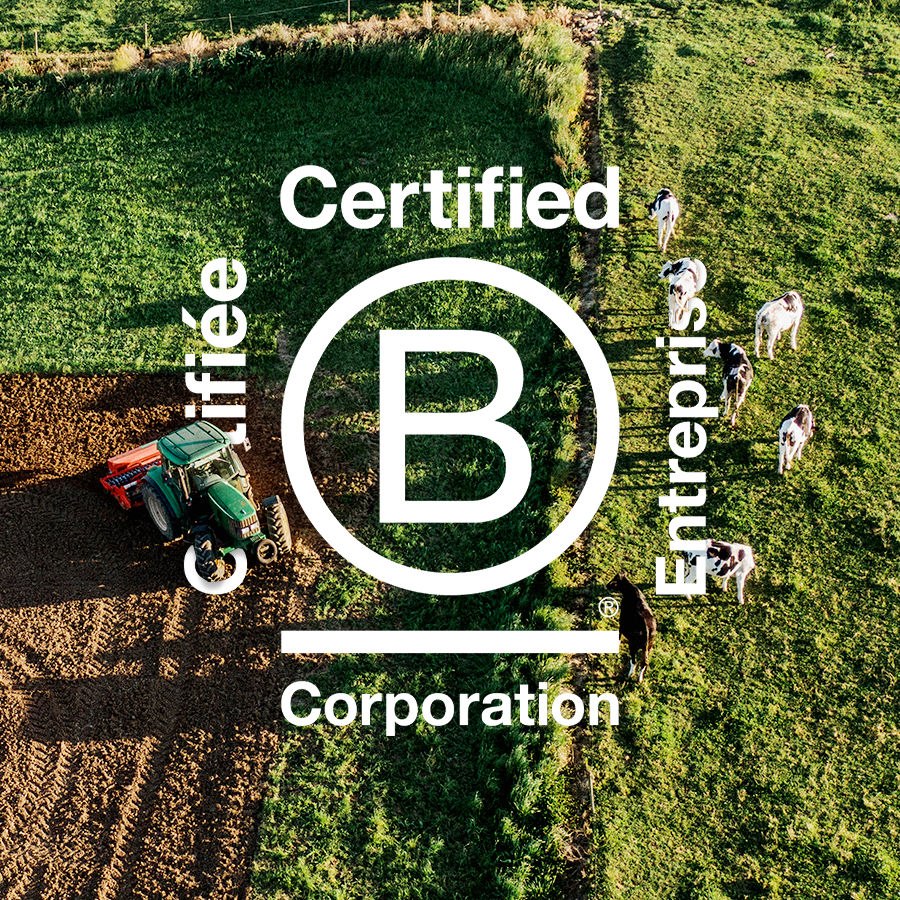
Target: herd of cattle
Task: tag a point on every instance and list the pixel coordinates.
(686, 278)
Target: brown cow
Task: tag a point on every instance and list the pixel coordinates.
(636, 623)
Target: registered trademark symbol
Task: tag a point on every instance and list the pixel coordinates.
(608, 607)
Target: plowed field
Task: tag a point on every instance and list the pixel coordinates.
(138, 717)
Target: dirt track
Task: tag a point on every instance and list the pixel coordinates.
(138, 718)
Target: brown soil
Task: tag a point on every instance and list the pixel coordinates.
(138, 717)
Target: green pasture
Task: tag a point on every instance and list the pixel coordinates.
(105, 24)
(107, 224)
(760, 758)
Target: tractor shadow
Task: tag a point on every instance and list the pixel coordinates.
(75, 543)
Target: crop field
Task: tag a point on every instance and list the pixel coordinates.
(134, 748)
(113, 249)
(142, 752)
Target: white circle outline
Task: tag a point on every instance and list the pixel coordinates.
(294, 443)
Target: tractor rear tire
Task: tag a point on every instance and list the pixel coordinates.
(209, 566)
(277, 528)
(161, 513)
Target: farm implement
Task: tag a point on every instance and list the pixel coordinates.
(196, 489)
(126, 473)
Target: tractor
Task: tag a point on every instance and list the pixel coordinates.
(196, 489)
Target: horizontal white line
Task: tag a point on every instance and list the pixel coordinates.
(518, 642)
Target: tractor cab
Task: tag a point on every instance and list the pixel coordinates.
(222, 466)
(203, 453)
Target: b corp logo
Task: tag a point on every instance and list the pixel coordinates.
(396, 423)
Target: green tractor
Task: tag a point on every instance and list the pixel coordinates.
(200, 492)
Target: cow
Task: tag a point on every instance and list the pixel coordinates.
(737, 373)
(795, 430)
(776, 317)
(686, 278)
(722, 561)
(665, 210)
(636, 623)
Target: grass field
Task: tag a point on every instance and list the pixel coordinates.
(106, 24)
(760, 759)
(121, 217)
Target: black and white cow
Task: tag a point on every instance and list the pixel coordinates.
(737, 373)
(665, 210)
(795, 430)
(636, 623)
(722, 561)
(686, 277)
(776, 317)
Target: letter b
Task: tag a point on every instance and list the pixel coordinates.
(397, 423)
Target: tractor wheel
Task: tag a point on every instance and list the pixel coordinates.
(209, 566)
(161, 513)
(277, 529)
(266, 552)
